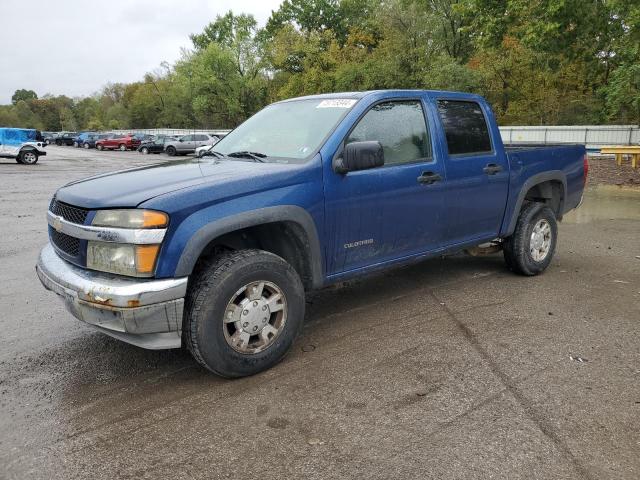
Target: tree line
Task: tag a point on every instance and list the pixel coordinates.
(539, 62)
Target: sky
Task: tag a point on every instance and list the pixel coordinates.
(74, 47)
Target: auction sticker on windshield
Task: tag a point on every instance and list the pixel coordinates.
(337, 103)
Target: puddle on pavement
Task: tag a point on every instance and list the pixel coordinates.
(607, 202)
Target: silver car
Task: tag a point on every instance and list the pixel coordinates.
(189, 143)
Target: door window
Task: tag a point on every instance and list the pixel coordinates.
(465, 127)
(400, 128)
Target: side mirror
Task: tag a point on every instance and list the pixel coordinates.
(180, 140)
(359, 156)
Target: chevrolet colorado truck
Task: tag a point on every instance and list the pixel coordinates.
(215, 254)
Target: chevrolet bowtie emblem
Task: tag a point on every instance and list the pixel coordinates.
(57, 224)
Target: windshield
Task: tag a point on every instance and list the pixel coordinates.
(290, 131)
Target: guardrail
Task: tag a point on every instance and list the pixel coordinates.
(172, 131)
(593, 136)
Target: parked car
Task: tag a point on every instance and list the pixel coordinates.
(90, 140)
(306, 193)
(155, 145)
(22, 144)
(49, 137)
(119, 142)
(189, 143)
(66, 138)
(144, 137)
(81, 137)
(205, 150)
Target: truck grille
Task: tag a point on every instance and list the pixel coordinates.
(69, 245)
(68, 212)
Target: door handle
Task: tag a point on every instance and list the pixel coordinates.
(492, 169)
(429, 177)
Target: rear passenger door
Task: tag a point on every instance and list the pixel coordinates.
(477, 172)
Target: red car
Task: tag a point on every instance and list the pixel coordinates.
(121, 142)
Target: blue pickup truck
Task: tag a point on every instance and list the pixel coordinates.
(215, 254)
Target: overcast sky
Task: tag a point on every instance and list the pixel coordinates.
(74, 47)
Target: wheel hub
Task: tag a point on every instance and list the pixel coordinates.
(540, 242)
(254, 317)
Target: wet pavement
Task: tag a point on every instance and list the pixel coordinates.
(452, 368)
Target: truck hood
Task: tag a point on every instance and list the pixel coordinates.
(129, 188)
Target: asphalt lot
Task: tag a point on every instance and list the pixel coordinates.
(453, 368)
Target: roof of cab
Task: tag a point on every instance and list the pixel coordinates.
(359, 95)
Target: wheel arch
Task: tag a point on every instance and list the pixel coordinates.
(288, 231)
(546, 187)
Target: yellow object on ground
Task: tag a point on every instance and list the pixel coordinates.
(620, 152)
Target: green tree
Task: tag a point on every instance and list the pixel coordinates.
(23, 94)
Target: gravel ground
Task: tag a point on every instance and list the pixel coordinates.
(452, 368)
(604, 170)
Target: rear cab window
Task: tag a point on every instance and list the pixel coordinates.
(465, 127)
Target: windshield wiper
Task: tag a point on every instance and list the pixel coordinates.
(255, 156)
(213, 152)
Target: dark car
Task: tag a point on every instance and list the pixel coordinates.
(155, 145)
(81, 138)
(66, 138)
(90, 140)
(49, 137)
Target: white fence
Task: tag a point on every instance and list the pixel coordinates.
(173, 131)
(593, 136)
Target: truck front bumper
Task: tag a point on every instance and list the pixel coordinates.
(146, 313)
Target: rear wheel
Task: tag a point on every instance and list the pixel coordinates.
(530, 249)
(171, 151)
(99, 146)
(28, 157)
(144, 150)
(243, 312)
(85, 145)
(122, 147)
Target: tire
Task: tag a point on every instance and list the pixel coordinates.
(122, 147)
(99, 146)
(144, 150)
(171, 151)
(47, 142)
(86, 145)
(75, 144)
(28, 157)
(59, 143)
(218, 292)
(530, 249)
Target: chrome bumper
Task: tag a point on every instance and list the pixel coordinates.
(146, 313)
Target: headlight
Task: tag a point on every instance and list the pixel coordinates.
(133, 218)
(122, 259)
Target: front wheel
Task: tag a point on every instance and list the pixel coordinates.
(28, 157)
(171, 151)
(144, 150)
(531, 247)
(122, 147)
(85, 145)
(99, 147)
(243, 312)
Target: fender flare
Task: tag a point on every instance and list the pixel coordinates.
(285, 213)
(531, 182)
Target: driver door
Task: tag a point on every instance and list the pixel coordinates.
(385, 213)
